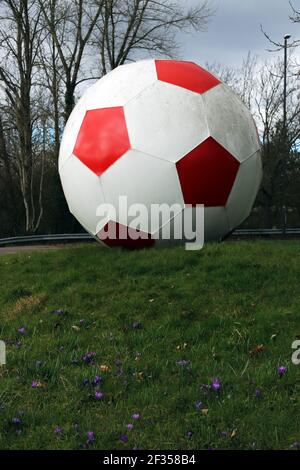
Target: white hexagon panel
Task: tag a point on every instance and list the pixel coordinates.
(159, 133)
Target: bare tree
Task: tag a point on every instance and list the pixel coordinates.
(51, 83)
(228, 74)
(113, 31)
(260, 86)
(277, 148)
(6, 162)
(20, 38)
(295, 16)
(70, 25)
(131, 29)
(241, 79)
(47, 49)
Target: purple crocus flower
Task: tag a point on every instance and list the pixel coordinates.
(129, 426)
(198, 405)
(281, 371)
(90, 436)
(136, 416)
(205, 388)
(35, 384)
(258, 392)
(189, 434)
(124, 438)
(58, 311)
(16, 421)
(88, 357)
(57, 430)
(99, 395)
(216, 385)
(22, 330)
(96, 379)
(183, 363)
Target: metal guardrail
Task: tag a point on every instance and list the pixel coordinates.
(73, 237)
(56, 238)
(266, 232)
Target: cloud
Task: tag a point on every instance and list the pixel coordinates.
(235, 30)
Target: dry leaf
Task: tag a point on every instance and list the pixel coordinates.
(104, 368)
(258, 349)
(205, 411)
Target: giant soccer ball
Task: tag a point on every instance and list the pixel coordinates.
(160, 132)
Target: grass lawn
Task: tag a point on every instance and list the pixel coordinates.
(164, 324)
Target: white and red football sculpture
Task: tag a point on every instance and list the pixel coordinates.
(160, 132)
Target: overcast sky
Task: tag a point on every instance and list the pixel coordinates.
(235, 30)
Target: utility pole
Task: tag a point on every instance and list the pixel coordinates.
(286, 38)
(285, 147)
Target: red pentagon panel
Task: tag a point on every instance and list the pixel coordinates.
(114, 235)
(185, 74)
(102, 138)
(207, 174)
